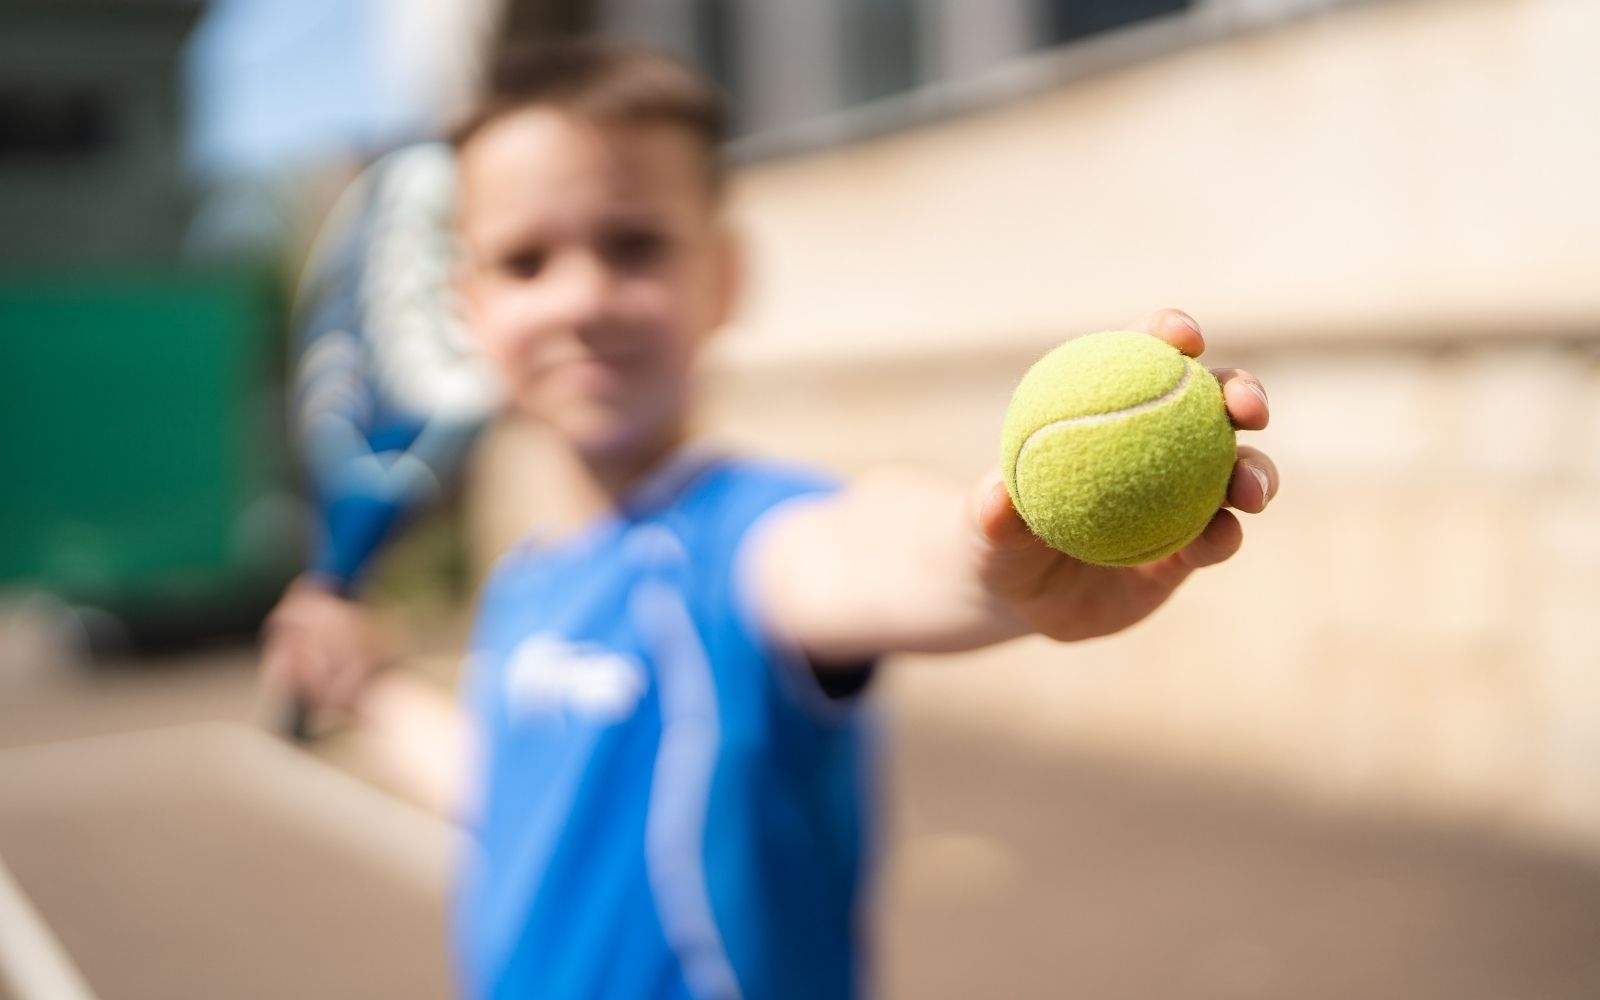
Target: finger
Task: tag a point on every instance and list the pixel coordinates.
(1177, 328)
(1254, 482)
(278, 620)
(1218, 542)
(315, 674)
(283, 655)
(1245, 398)
(298, 602)
(349, 677)
(277, 663)
(345, 688)
(998, 520)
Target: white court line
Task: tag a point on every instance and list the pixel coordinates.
(33, 965)
(231, 760)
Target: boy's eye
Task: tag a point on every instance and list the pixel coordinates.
(523, 264)
(636, 249)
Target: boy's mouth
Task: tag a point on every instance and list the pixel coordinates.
(593, 375)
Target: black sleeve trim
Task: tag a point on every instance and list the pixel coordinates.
(842, 682)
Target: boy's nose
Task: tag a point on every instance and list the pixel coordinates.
(583, 289)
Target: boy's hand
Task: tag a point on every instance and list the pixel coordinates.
(320, 646)
(1061, 597)
(904, 562)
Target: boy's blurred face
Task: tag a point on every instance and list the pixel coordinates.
(594, 268)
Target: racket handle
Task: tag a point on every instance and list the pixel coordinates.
(296, 721)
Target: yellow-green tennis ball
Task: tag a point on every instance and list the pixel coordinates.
(1117, 448)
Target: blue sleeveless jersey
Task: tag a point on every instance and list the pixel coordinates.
(668, 805)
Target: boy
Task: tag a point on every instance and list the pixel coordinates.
(670, 798)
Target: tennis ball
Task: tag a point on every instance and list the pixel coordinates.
(1117, 448)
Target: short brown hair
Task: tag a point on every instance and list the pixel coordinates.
(604, 82)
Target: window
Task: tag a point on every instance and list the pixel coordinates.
(716, 31)
(36, 122)
(787, 63)
(1066, 20)
(880, 44)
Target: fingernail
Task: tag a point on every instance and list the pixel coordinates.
(1261, 479)
(1258, 389)
(1186, 321)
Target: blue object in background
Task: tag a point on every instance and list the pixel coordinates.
(388, 391)
(276, 86)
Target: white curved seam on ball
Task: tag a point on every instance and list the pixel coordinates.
(1099, 418)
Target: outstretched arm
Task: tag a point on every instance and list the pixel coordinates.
(421, 740)
(901, 561)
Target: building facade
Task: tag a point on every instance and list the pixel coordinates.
(1383, 209)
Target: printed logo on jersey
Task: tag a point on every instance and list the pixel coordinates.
(549, 675)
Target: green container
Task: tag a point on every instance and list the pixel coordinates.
(142, 468)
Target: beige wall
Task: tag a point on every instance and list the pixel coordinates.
(1409, 627)
(1388, 212)
(1405, 166)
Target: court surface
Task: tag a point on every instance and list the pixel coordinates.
(211, 860)
(158, 845)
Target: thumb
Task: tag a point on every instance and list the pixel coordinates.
(997, 518)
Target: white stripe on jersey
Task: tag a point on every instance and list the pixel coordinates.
(680, 790)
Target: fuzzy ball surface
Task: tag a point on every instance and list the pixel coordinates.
(1117, 448)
